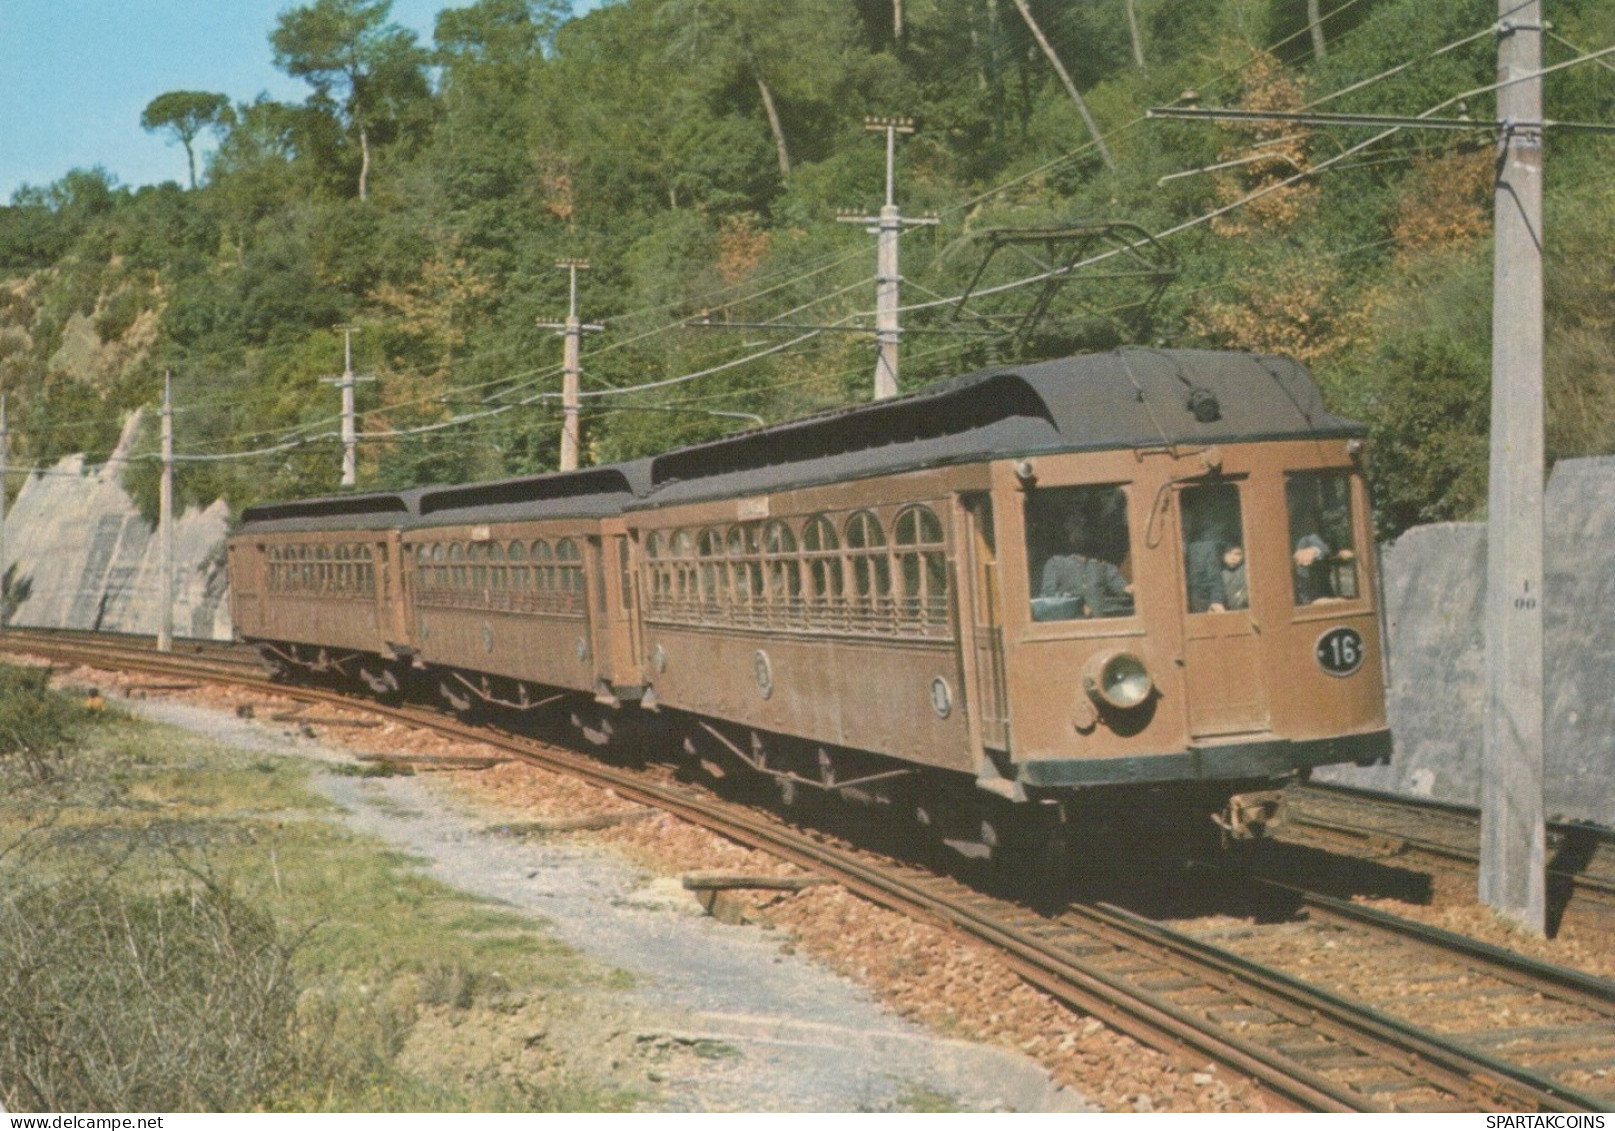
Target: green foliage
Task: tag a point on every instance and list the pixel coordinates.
(697, 152)
(185, 114)
(39, 728)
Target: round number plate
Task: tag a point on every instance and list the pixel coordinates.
(1339, 651)
(764, 671)
(941, 698)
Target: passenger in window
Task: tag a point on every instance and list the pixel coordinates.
(1081, 585)
(1236, 593)
(1314, 559)
(1324, 557)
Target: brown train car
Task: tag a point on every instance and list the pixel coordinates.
(318, 584)
(520, 588)
(1141, 580)
(1138, 569)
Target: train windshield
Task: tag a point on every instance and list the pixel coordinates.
(1322, 543)
(1214, 566)
(1079, 553)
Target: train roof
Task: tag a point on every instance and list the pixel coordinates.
(1127, 398)
(379, 510)
(594, 492)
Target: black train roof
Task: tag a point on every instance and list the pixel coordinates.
(1123, 399)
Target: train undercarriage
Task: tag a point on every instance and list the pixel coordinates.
(922, 813)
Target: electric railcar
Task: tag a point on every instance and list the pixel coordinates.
(1017, 602)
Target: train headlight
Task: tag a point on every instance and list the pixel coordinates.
(1117, 679)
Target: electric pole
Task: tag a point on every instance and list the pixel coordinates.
(165, 527)
(350, 430)
(888, 230)
(1513, 851)
(571, 369)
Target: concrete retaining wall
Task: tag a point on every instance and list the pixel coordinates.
(79, 555)
(1434, 582)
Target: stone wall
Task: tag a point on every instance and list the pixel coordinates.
(78, 554)
(1434, 586)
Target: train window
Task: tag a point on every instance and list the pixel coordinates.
(871, 568)
(1323, 548)
(822, 549)
(477, 555)
(544, 569)
(659, 575)
(714, 575)
(496, 566)
(571, 568)
(441, 570)
(1214, 566)
(923, 572)
(518, 573)
(1078, 552)
(458, 573)
(745, 570)
(784, 571)
(685, 587)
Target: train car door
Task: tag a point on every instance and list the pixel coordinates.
(1222, 637)
(597, 598)
(986, 633)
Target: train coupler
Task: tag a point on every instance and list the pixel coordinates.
(1249, 816)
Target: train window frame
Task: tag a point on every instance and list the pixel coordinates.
(868, 600)
(1204, 558)
(1332, 606)
(920, 569)
(826, 581)
(782, 567)
(1128, 623)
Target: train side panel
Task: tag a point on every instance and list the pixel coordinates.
(828, 614)
(332, 589)
(511, 599)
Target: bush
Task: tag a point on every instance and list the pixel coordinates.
(38, 727)
(112, 1001)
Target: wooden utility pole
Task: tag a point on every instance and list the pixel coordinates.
(1513, 878)
(1070, 87)
(165, 527)
(888, 230)
(571, 368)
(350, 428)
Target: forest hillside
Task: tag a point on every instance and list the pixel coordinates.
(697, 153)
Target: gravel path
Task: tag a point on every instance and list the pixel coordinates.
(727, 1017)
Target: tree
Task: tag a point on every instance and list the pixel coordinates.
(348, 52)
(185, 114)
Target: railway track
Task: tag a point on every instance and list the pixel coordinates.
(1311, 1048)
(1581, 858)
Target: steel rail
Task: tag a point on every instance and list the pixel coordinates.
(1013, 932)
(1586, 990)
(1463, 817)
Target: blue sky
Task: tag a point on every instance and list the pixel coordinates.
(75, 75)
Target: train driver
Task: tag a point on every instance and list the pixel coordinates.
(1097, 583)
